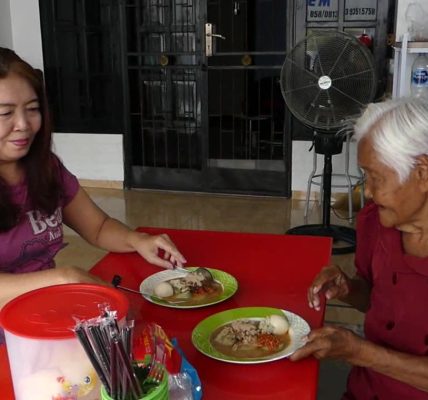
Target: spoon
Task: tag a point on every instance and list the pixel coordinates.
(200, 270)
(208, 276)
(117, 279)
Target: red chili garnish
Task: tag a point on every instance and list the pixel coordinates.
(269, 341)
(209, 289)
(199, 292)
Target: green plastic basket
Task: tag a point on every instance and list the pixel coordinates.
(160, 393)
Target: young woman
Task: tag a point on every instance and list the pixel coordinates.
(391, 285)
(38, 194)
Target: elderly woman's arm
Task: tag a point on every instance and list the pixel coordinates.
(339, 343)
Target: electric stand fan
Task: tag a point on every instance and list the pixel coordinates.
(326, 80)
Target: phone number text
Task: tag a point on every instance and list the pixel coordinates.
(322, 14)
(360, 11)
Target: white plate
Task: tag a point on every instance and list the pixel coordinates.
(229, 283)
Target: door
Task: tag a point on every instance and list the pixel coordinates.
(204, 108)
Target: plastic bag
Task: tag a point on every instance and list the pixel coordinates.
(180, 386)
(416, 18)
(188, 369)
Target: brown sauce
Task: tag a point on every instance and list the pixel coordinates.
(247, 351)
(196, 299)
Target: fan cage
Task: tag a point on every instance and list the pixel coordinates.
(327, 78)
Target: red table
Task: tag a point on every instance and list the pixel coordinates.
(272, 270)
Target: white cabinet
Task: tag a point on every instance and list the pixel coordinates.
(405, 54)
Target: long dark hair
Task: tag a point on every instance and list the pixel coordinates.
(40, 164)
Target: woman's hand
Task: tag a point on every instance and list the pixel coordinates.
(332, 282)
(150, 247)
(97, 228)
(331, 342)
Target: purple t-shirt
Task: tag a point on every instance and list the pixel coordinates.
(33, 243)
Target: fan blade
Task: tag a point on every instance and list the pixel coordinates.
(337, 59)
(300, 88)
(301, 68)
(351, 75)
(319, 58)
(347, 95)
(313, 102)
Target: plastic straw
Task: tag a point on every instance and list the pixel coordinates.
(84, 341)
(127, 337)
(101, 346)
(128, 369)
(113, 373)
(109, 349)
(124, 387)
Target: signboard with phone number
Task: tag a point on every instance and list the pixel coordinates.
(327, 10)
(322, 10)
(360, 10)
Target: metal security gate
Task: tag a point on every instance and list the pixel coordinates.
(204, 107)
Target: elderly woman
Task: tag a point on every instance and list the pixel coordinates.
(391, 284)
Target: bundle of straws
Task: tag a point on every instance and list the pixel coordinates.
(109, 348)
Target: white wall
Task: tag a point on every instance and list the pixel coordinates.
(302, 163)
(91, 156)
(5, 24)
(401, 25)
(100, 157)
(26, 35)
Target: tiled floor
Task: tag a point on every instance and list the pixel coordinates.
(217, 212)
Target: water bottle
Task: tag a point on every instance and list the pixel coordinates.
(419, 82)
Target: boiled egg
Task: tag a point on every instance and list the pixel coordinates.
(163, 289)
(279, 324)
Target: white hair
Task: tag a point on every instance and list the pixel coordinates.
(399, 130)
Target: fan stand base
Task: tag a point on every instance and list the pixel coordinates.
(344, 238)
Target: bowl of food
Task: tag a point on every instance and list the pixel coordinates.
(191, 288)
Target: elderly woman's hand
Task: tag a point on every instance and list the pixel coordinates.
(331, 342)
(150, 247)
(332, 282)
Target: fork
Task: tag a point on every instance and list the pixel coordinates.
(156, 373)
(157, 364)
